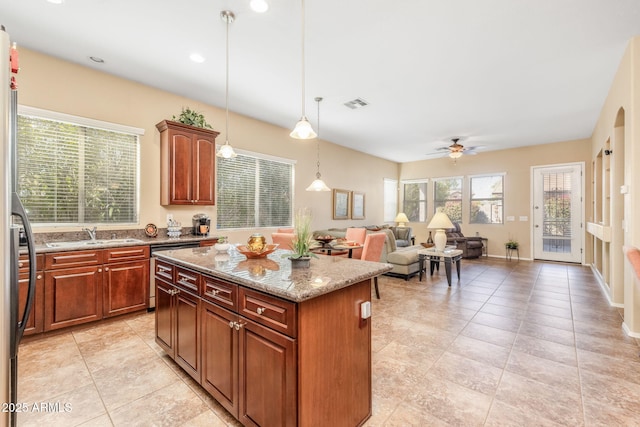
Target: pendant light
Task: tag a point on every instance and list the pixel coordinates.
(318, 184)
(226, 151)
(303, 129)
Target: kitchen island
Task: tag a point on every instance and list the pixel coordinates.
(275, 346)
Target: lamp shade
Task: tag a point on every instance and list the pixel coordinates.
(401, 219)
(303, 130)
(440, 221)
(318, 185)
(226, 151)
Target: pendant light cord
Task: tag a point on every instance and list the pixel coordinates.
(318, 99)
(227, 84)
(303, 82)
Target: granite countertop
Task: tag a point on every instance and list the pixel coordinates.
(106, 241)
(274, 275)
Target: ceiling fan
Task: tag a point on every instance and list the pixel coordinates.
(454, 150)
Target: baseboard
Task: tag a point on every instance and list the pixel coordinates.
(604, 287)
(628, 331)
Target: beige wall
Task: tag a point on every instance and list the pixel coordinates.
(618, 125)
(52, 84)
(516, 164)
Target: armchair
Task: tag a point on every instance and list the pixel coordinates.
(471, 247)
(403, 236)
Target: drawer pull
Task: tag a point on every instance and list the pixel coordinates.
(260, 310)
(174, 291)
(20, 264)
(214, 292)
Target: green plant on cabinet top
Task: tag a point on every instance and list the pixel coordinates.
(192, 118)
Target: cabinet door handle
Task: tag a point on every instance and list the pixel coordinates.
(231, 324)
(39, 276)
(20, 264)
(238, 325)
(106, 269)
(260, 310)
(99, 270)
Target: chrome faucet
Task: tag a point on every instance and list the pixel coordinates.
(91, 232)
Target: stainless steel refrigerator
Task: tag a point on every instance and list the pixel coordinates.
(13, 318)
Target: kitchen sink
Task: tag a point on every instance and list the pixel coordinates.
(85, 243)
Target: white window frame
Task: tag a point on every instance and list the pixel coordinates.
(260, 156)
(24, 110)
(390, 199)
(422, 211)
(461, 200)
(472, 199)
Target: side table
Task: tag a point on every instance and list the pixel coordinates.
(485, 246)
(434, 257)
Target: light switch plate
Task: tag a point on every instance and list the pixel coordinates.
(524, 218)
(365, 310)
(511, 218)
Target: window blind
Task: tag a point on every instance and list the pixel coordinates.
(254, 191)
(390, 199)
(75, 174)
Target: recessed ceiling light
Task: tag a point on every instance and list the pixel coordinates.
(259, 6)
(55, 1)
(97, 59)
(196, 57)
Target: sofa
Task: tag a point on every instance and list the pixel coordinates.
(404, 259)
(471, 247)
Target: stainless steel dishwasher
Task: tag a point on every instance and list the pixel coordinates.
(152, 265)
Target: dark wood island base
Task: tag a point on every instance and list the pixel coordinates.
(268, 360)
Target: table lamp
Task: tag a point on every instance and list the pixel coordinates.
(402, 219)
(440, 222)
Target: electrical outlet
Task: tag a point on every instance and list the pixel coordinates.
(169, 218)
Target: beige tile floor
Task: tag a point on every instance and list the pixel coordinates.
(513, 343)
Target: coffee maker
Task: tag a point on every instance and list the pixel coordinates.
(201, 224)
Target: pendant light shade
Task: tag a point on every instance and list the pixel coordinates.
(318, 184)
(303, 129)
(226, 151)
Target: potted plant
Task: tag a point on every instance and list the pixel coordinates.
(511, 244)
(301, 245)
(192, 118)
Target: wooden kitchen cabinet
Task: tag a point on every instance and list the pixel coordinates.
(267, 360)
(178, 318)
(35, 321)
(72, 296)
(187, 164)
(248, 368)
(85, 286)
(126, 280)
(72, 288)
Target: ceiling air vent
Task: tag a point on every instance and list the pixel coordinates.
(356, 103)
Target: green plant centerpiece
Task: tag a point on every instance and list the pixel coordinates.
(301, 245)
(192, 118)
(511, 244)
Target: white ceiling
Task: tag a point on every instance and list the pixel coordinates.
(502, 73)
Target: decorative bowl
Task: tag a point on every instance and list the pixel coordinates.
(427, 245)
(221, 247)
(325, 239)
(269, 248)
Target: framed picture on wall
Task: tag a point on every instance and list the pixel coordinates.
(357, 205)
(341, 204)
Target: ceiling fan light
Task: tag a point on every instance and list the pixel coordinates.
(303, 130)
(455, 154)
